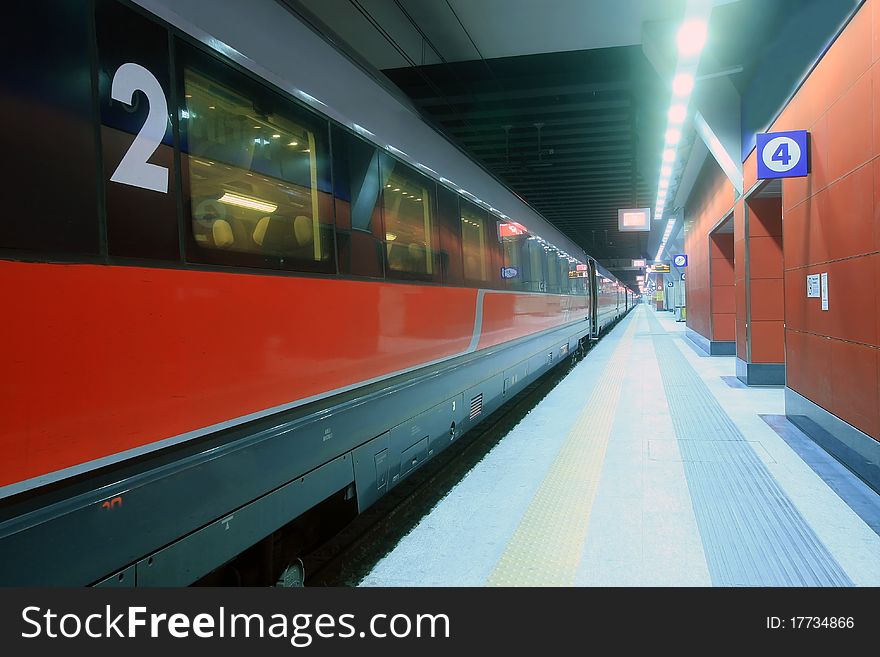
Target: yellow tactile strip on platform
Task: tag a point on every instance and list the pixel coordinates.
(546, 548)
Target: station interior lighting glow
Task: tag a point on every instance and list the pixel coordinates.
(690, 39)
(683, 84)
(677, 114)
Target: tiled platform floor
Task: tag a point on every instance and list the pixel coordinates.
(643, 467)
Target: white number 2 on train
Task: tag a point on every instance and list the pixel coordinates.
(134, 169)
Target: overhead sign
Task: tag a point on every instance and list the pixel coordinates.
(578, 274)
(581, 267)
(680, 260)
(638, 263)
(682, 275)
(670, 284)
(509, 272)
(659, 269)
(634, 219)
(783, 154)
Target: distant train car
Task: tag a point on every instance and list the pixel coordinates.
(224, 307)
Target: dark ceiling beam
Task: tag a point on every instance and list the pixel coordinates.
(462, 129)
(607, 159)
(576, 178)
(604, 209)
(574, 155)
(555, 187)
(530, 92)
(558, 144)
(526, 133)
(597, 201)
(583, 197)
(537, 111)
(571, 172)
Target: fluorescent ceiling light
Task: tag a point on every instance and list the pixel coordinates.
(673, 136)
(245, 202)
(666, 170)
(669, 155)
(692, 37)
(683, 84)
(677, 113)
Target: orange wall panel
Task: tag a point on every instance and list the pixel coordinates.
(805, 227)
(853, 374)
(765, 257)
(808, 366)
(724, 326)
(850, 128)
(724, 300)
(848, 227)
(875, 30)
(852, 288)
(765, 217)
(768, 341)
(722, 272)
(767, 299)
(750, 171)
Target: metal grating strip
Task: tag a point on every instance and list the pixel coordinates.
(752, 533)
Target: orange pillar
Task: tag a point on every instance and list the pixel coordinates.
(761, 354)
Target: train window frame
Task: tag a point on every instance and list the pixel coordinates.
(353, 260)
(449, 223)
(190, 58)
(496, 253)
(483, 248)
(425, 187)
(517, 239)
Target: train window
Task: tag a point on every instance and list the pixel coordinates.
(552, 271)
(514, 241)
(51, 204)
(449, 223)
(474, 242)
(496, 254)
(410, 230)
(357, 187)
(577, 279)
(258, 175)
(535, 280)
(563, 275)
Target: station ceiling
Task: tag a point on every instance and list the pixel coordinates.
(556, 98)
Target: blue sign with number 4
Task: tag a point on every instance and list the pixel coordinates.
(783, 154)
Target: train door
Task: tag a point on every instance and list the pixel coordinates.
(594, 301)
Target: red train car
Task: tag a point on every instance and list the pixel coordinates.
(224, 308)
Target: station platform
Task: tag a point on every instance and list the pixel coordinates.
(648, 466)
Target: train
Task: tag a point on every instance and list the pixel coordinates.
(242, 289)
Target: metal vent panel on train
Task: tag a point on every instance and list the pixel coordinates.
(476, 406)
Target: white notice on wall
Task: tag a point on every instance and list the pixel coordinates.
(824, 290)
(813, 285)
